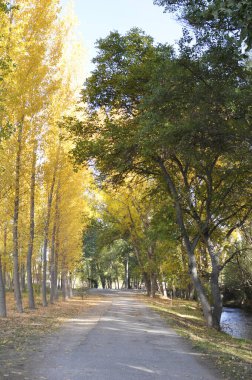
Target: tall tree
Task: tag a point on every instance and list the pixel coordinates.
(184, 123)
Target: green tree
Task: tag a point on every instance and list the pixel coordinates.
(104, 254)
(237, 276)
(230, 17)
(186, 126)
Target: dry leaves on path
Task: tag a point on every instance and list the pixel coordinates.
(22, 333)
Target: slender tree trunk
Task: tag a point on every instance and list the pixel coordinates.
(64, 285)
(56, 293)
(103, 281)
(215, 289)
(152, 275)
(70, 286)
(54, 248)
(147, 282)
(5, 254)
(3, 312)
(46, 229)
(32, 228)
(153, 279)
(199, 288)
(164, 289)
(22, 277)
(16, 278)
(126, 277)
(44, 257)
(52, 266)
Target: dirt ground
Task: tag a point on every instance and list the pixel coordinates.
(23, 334)
(108, 335)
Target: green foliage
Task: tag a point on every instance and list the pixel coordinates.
(229, 17)
(193, 116)
(237, 279)
(187, 129)
(104, 254)
(124, 62)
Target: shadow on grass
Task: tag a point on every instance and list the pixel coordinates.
(232, 356)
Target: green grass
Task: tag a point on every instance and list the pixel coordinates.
(233, 357)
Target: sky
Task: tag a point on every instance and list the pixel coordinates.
(96, 18)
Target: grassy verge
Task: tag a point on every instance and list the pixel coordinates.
(233, 357)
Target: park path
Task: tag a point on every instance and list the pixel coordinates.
(120, 339)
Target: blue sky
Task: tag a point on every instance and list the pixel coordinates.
(98, 17)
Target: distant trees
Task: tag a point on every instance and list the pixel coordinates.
(237, 277)
(104, 255)
(181, 122)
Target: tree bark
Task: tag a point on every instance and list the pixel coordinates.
(147, 282)
(126, 272)
(70, 286)
(207, 311)
(153, 279)
(3, 311)
(46, 229)
(32, 228)
(52, 265)
(22, 277)
(64, 286)
(215, 289)
(54, 249)
(16, 278)
(56, 293)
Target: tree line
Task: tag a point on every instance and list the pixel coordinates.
(42, 199)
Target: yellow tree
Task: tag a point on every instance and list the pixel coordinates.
(132, 210)
(70, 220)
(40, 90)
(64, 190)
(35, 48)
(62, 103)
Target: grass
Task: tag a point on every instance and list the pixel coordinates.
(233, 357)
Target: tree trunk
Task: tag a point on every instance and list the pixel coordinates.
(56, 293)
(200, 290)
(52, 266)
(153, 280)
(215, 289)
(46, 229)
(3, 312)
(164, 287)
(16, 278)
(126, 271)
(44, 259)
(32, 228)
(147, 282)
(70, 286)
(54, 249)
(103, 281)
(5, 255)
(189, 246)
(22, 277)
(64, 286)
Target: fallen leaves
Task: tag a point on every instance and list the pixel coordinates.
(20, 334)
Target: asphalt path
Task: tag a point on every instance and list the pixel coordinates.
(119, 339)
